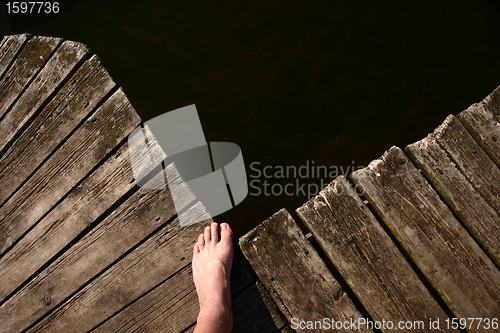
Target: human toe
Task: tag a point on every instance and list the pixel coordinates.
(207, 235)
(201, 241)
(226, 233)
(214, 232)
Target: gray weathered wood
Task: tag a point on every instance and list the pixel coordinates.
(293, 273)
(467, 179)
(9, 47)
(97, 193)
(367, 259)
(79, 96)
(482, 120)
(171, 306)
(59, 66)
(464, 276)
(87, 147)
(125, 227)
(27, 63)
(159, 257)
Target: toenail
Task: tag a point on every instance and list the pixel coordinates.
(224, 225)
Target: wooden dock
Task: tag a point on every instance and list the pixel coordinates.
(82, 248)
(422, 242)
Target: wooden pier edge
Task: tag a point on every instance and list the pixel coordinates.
(64, 267)
(428, 227)
(431, 225)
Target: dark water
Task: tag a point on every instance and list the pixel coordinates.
(296, 82)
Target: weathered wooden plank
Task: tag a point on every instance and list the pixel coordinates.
(171, 306)
(87, 147)
(27, 63)
(482, 120)
(79, 96)
(293, 272)
(466, 279)
(367, 259)
(159, 257)
(467, 179)
(9, 47)
(286, 329)
(145, 211)
(60, 65)
(190, 330)
(97, 193)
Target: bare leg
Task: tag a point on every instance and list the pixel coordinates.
(212, 261)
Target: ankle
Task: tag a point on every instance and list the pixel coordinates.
(216, 315)
(215, 307)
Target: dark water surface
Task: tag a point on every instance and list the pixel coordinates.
(334, 83)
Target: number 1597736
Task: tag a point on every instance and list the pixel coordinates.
(33, 7)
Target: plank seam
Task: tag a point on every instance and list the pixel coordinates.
(188, 328)
(96, 222)
(44, 104)
(250, 284)
(353, 297)
(464, 174)
(142, 296)
(28, 37)
(31, 79)
(460, 220)
(435, 295)
(104, 270)
(155, 327)
(435, 187)
(476, 135)
(338, 276)
(63, 141)
(113, 151)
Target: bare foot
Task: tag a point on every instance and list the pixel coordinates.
(212, 261)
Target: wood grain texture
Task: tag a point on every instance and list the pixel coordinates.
(172, 306)
(27, 63)
(464, 276)
(145, 211)
(87, 147)
(190, 330)
(159, 257)
(59, 66)
(482, 120)
(366, 257)
(75, 101)
(293, 273)
(467, 179)
(97, 193)
(9, 47)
